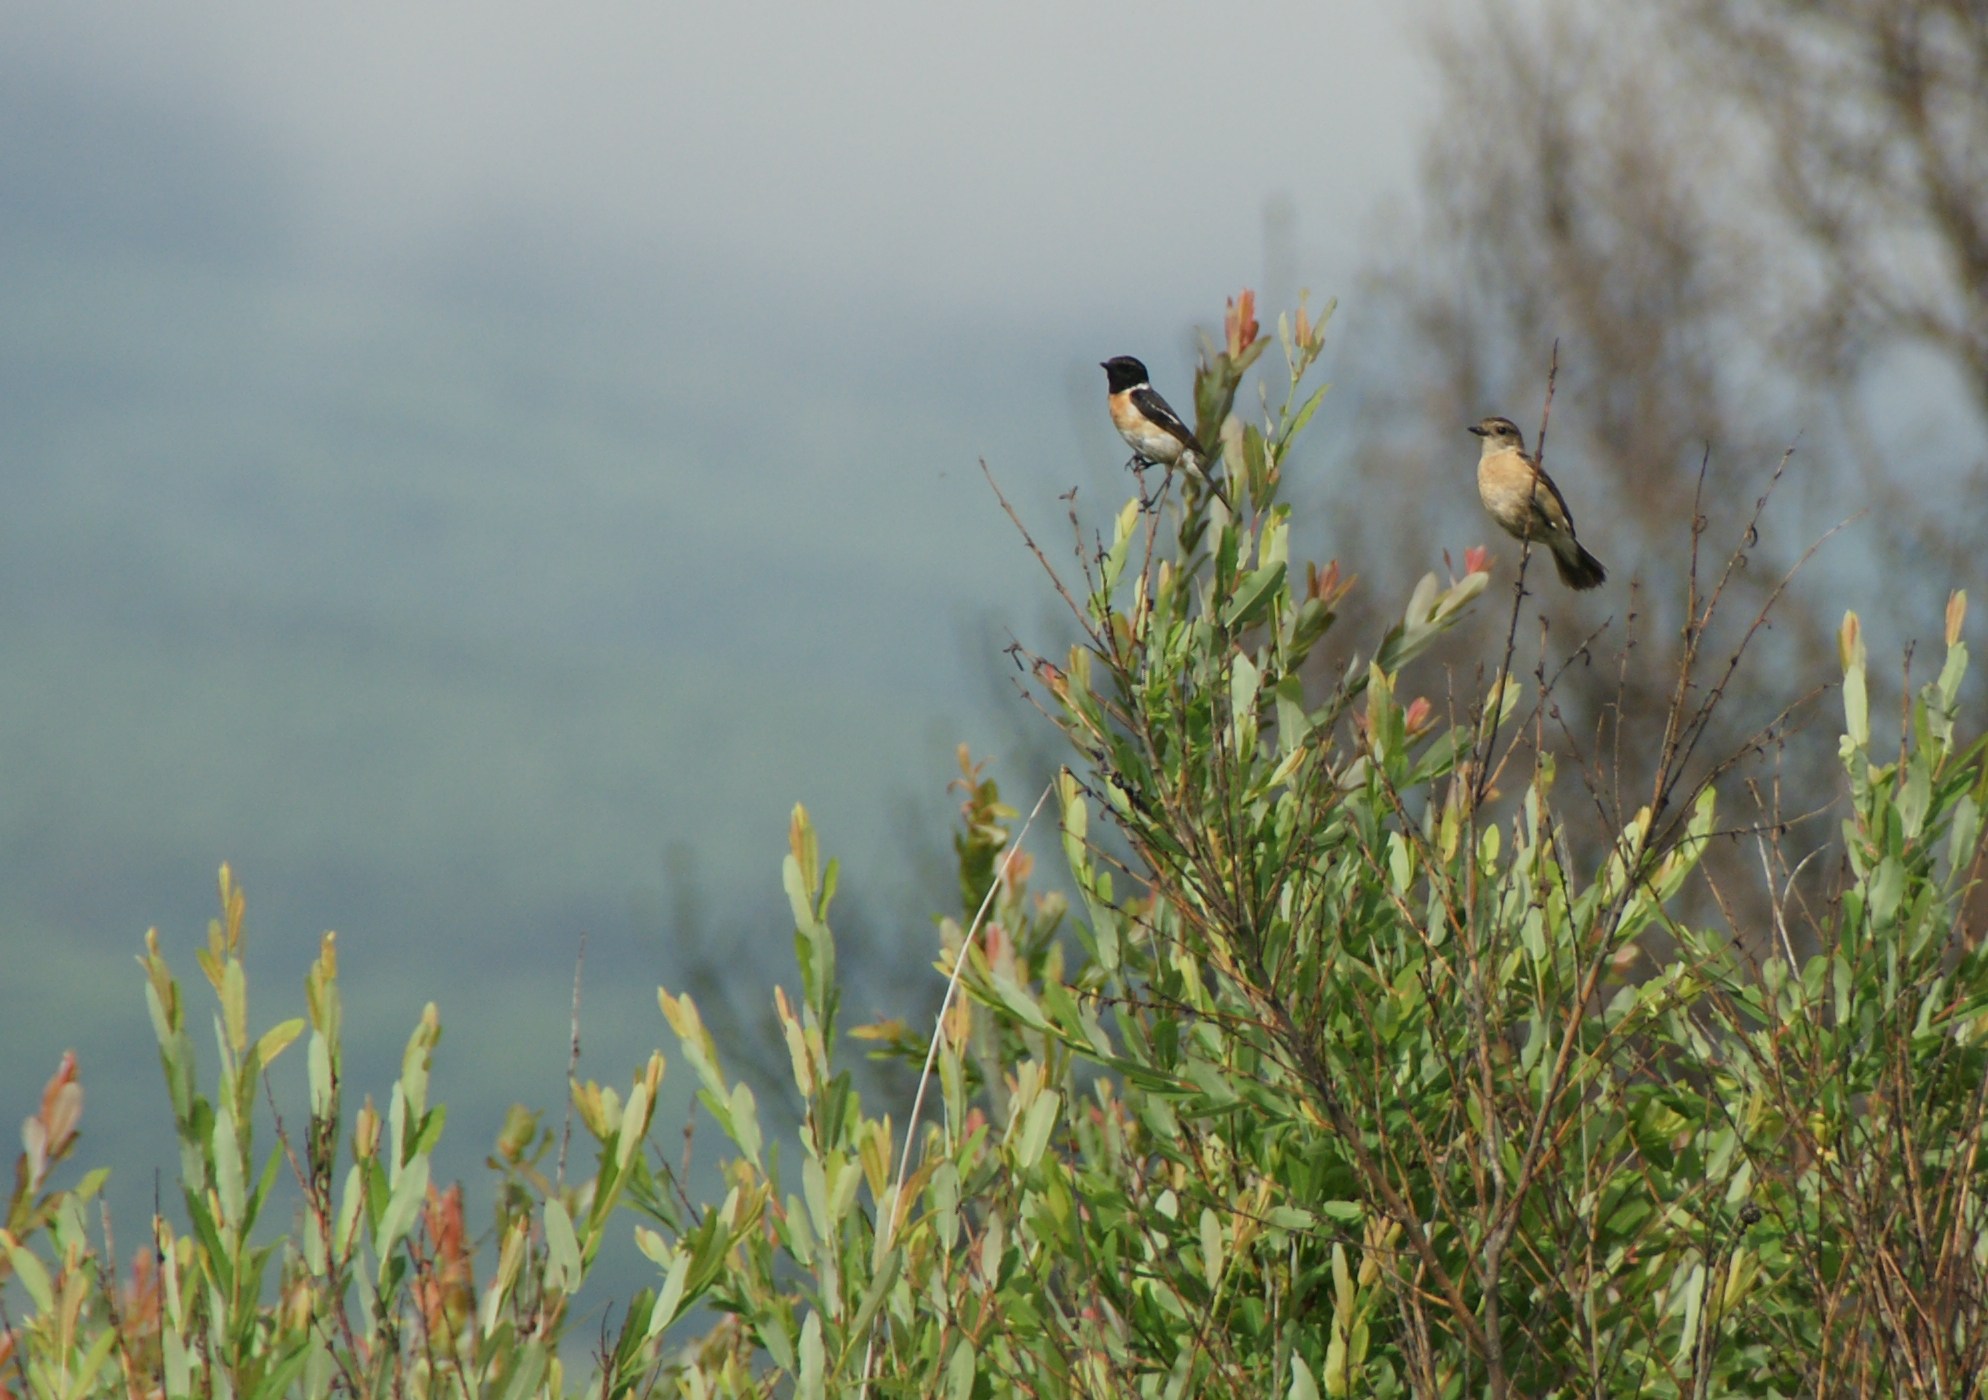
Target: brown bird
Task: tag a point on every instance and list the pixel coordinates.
(1524, 500)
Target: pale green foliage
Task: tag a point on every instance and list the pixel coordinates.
(1337, 1080)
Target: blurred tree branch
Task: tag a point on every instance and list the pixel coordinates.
(1733, 215)
(1875, 114)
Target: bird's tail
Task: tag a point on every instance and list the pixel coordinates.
(1578, 568)
(1203, 466)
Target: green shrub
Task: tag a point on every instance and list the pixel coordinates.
(1341, 1078)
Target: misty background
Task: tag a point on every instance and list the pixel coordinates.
(475, 469)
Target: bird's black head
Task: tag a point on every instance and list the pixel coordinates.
(1122, 372)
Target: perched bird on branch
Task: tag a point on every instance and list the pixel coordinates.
(1149, 425)
(1524, 500)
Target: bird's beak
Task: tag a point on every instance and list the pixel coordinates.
(1475, 428)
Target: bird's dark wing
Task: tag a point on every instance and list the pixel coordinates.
(1163, 417)
(1550, 504)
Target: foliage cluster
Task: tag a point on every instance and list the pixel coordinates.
(1353, 1065)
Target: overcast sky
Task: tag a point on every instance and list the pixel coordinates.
(990, 159)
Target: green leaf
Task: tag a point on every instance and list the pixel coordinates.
(323, 1095)
(1017, 1001)
(1253, 596)
(351, 1203)
(1917, 798)
(233, 992)
(1856, 704)
(227, 1167)
(563, 1269)
(671, 1299)
(33, 1276)
(1301, 418)
(528, 1364)
(1111, 568)
(879, 1289)
(811, 1384)
(280, 1378)
(94, 1358)
(410, 1192)
(960, 1371)
(1303, 1387)
(276, 1040)
(1213, 1253)
(634, 1122)
(1036, 1128)
(742, 1114)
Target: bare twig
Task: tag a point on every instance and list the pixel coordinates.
(1035, 549)
(572, 1062)
(887, 1226)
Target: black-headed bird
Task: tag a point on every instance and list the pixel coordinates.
(1155, 433)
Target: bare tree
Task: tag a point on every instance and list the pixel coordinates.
(1874, 118)
(1871, 121)
(1727, 214)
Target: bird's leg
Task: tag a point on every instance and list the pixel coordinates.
(1137, 465)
